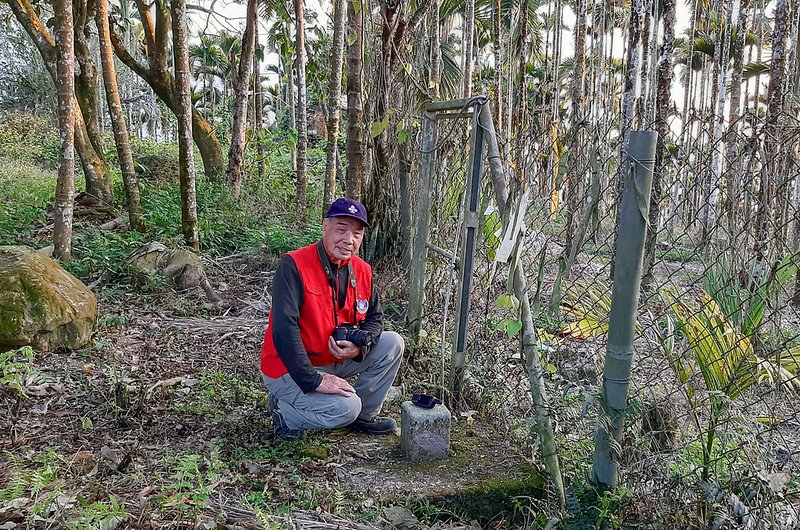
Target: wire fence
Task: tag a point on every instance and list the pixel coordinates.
(712, 431)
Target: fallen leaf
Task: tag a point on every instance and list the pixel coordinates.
(776, 481)
(147, 491)
(82, 462)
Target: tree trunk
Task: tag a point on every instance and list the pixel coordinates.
(291, 100)
(241, 84)
(86, 75)
(628, 99)
(65, 83)
(468, 40)
(577, 159)
(404, 164)
(721, 55)
(772, 140)
(334, 102)
(302, 117)
(435, 77)
(180, 46)
(163, 83)
(663, 94)
(258, 108)
(118, 124)
(94, 168)
(499, 65)
(355, 105)
(732, 147)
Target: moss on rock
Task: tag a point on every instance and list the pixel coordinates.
(41, 304)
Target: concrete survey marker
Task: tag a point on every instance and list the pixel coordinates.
(425, 433)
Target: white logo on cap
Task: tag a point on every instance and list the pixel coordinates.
(352, 209)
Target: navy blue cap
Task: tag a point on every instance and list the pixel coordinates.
(344, 207)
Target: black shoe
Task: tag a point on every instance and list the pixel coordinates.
(279, 427)
(376, 425)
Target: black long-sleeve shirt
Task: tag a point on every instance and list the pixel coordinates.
(287, 300)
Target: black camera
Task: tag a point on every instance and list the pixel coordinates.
(350, 332)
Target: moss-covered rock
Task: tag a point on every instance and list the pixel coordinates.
(181, 269)
(41, 304)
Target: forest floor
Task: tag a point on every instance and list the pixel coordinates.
(161, 421)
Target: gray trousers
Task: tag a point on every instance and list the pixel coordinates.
(329, 411)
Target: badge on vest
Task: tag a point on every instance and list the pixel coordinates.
(362, 306)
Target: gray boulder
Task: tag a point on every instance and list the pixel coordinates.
(41, 304)
(180, 268)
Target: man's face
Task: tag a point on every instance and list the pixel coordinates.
(341, 237)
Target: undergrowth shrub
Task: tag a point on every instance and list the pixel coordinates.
(26, 190)
(225, 225)
(101, 251)
(29, 138)
(156, 162)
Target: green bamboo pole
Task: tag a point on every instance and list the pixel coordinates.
(624, 301)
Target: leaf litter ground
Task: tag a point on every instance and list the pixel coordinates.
(161, 422)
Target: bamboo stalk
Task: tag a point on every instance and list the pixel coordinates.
(624, 301)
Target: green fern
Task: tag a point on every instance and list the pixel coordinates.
(18, 481)
(14, 366)
(339, 501)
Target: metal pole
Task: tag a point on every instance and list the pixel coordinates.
(419, 250)
(624, 302)
(471, 222)
(455, 104)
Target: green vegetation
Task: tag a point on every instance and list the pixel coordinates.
(493, 499)
(258, 222)
(215, 394)
(14, 366)
(29, 139)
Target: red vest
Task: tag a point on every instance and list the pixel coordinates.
(316, 315)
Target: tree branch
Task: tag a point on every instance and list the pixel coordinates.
(147, 26)
(126, 58)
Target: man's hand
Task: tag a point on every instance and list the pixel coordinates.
(332, 384)
(344, 349)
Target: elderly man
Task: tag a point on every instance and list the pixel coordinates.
(326, 326)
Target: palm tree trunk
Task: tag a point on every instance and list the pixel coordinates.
(468, 39)
(241, 84)
(628, 100)
(663, 95)
(118, 124)
(258, 108)
(772, 140)
(435, 78)
(291, 101)
(639, 102)
(302, 120)
(355, 105)
(180, 36)
(732, 147)
(497, 43)
(334, 101)
(577, 160)
(65, 83)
